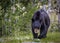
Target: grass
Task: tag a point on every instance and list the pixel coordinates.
(54, 37)
(51, 37)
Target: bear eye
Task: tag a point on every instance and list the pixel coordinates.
(40, 20)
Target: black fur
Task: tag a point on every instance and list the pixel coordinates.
(40, 20)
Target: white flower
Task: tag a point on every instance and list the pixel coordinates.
(13, 9)
(24, 13)
(23, 8)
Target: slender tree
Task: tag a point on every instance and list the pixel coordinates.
(58, 12)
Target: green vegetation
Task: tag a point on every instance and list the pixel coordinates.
(15, 21)
(51, 37)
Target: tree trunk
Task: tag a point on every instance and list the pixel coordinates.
(58, 12)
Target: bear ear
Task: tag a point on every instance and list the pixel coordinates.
(38, 13)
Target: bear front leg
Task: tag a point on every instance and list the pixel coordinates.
(35, 35)
(43, 32)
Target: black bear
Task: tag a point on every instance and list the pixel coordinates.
(40, 21)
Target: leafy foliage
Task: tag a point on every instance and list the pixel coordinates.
(15, 16)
